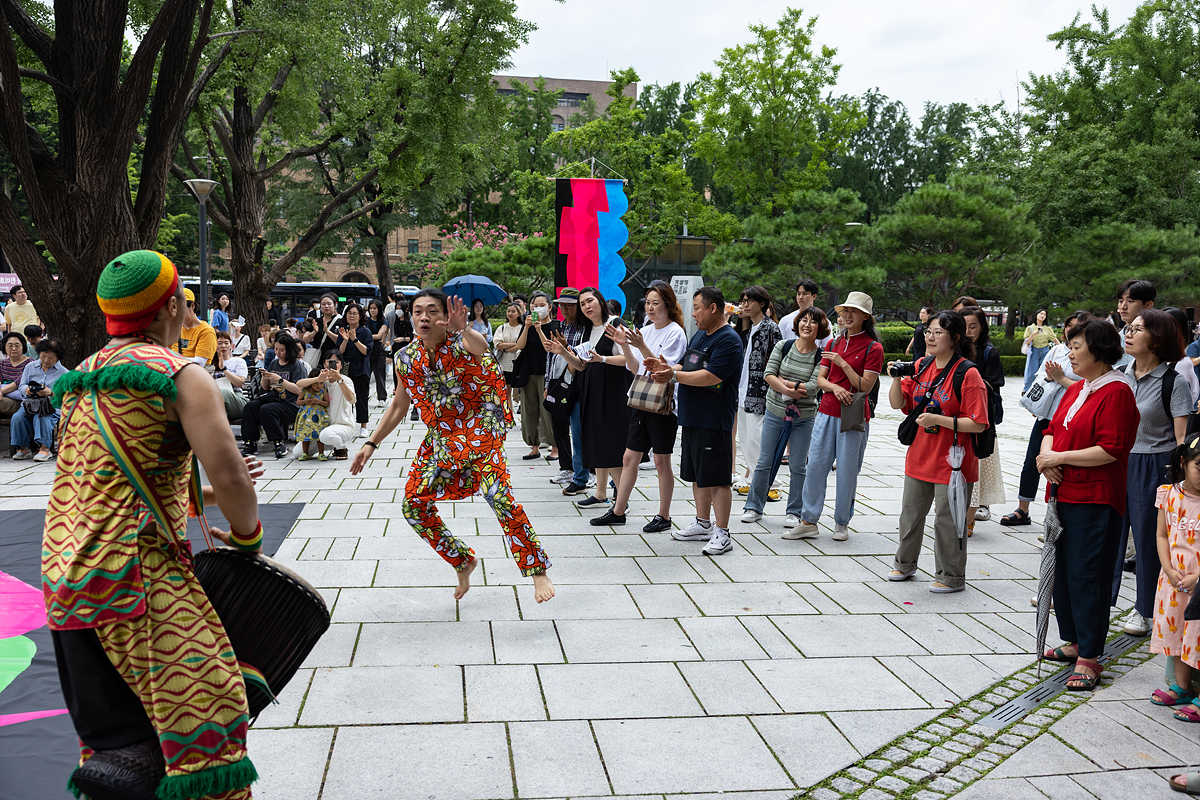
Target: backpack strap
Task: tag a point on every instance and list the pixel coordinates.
(1168, 389)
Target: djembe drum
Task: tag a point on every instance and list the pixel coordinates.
(273, 616)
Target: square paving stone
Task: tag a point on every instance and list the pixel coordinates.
(334, 573)
(721, 638)
(377, 695)
(606, 640)
(663, 600)
(789, 569)
(727, 687)
(424, 644)
(490, 602)
(870, 730)
(716, 754)
(1045, 755)
(1156, 724)
(809, 746)
(936, 632)
(416, 572)
(556, 758)
(846, 635)
(857, 598)
(500, 692)
(291, 698)
(1107, 742)
(1132, 783)
(395, 605)
(819, 684)
(579, 602)
(736, 599)
(411, 761)
(624, 544)
(290, 763)
(1061, 787)
(615, 691)
(526, 642)
(335, 646)
(669, 569)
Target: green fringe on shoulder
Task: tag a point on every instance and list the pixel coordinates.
(213, 781)
(120, 376)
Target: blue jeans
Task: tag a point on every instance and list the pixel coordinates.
(581, 475)
(777, 434)
(26, 430)
(829, 442)
(1143, 477)
(1033, 362)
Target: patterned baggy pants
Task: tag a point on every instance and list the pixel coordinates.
(487, 472)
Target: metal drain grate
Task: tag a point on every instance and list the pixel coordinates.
(1053, 686)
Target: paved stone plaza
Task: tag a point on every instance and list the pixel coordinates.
(781, 668)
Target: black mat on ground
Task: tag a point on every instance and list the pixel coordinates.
(37, 756)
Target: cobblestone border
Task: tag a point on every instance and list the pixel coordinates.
(945, 755)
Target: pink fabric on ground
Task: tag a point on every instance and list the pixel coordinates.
(22, 608)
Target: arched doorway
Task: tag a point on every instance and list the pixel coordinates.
(355, 277)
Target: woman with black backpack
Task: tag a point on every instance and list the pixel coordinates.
(989, 488)
(949, 399)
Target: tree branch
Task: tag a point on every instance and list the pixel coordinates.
(303, 152)
(194, 95)
(44, 78)
(30, 32)
(271, 95)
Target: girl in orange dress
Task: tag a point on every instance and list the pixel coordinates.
(1178, 506)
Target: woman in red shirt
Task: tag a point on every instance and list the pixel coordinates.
(1085, 452)
(951, 414)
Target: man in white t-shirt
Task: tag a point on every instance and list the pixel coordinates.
(230, 372)
(19, 312)
(806, 295)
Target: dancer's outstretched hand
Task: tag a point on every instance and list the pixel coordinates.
(456, 315)
(360, 459)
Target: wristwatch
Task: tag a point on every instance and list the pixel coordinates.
(374, 446)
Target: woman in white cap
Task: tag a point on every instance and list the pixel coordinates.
(849, 366)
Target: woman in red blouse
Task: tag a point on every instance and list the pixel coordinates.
(951, 413)
(1084, 457)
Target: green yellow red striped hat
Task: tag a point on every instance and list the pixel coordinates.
(133, 287)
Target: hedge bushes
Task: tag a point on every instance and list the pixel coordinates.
(895, 336)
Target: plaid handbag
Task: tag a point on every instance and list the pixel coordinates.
(654, 398)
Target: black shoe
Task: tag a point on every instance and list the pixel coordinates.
(413, 416)
(280, 449)
(592, 501)
(127, 773)
(250, 449)
(1130, 565)
(574, 488)
(608, 518)
(657, 525)
(530, 456)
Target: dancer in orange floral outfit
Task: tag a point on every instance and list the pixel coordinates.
(457, 388)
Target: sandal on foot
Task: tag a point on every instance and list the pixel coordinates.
(1015, 518)
(1186, 713)
(1084, 681)
(1190, 785)
(1174, 695)
(1059, 654)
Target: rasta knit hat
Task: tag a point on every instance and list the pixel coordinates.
(133, 287)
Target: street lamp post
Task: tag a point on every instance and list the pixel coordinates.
(202, 188)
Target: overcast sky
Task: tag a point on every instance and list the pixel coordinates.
(918, 50)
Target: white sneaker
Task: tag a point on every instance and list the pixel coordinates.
(1137, 625)
(751, 516)
(982, 514)
(362, 433)
(791, 521)
(591, 481)
(647, 466)
(803, 530)
(841, 533)
(562, 477)
(693, 532)
(718, 543)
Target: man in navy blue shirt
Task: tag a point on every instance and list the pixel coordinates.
(708, 393)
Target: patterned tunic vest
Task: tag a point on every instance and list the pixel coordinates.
(91, 568)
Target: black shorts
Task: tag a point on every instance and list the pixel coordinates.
(651, 432)
(707, 457)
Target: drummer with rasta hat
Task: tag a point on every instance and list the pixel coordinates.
(154, 690)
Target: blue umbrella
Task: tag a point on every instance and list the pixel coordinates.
(475, 287)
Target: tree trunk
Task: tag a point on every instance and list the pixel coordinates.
(383, 268)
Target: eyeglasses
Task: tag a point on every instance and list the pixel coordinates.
(1131, 329)
(933, 332)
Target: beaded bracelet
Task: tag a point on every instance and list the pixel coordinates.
(247, 542)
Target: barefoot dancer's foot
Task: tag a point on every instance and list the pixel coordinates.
(464, 579)
(543, 589)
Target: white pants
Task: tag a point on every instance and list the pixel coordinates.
(339, 437)
(749, 432)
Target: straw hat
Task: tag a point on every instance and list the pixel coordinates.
(859, 300)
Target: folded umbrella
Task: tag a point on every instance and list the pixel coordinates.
(1045, 592)
(958, 494)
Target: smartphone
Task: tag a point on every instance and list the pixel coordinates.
(540, 313)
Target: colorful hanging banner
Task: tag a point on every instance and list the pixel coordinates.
(590, 235)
